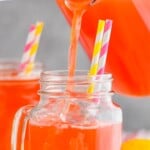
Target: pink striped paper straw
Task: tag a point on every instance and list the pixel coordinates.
(105, 44)
(33, 51)
(35, 45)
(26, 54)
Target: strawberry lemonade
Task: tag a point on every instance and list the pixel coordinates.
(61, 136)
(15, 92)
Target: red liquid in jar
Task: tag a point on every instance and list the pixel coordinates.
(61, 136)
(14, 93)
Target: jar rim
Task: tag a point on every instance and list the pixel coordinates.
(9, 70)
(52, 94)
(54, 75)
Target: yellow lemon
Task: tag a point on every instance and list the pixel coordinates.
(136, 144)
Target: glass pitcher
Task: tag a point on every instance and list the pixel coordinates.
(74, 113)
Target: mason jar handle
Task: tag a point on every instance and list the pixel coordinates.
(19, 127)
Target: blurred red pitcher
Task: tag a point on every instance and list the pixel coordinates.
(129, 50)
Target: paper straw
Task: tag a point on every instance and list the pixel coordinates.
(26, 53)
(97, 48)
(105, 44)
(31, 48)
(96, 52)
(34, 47)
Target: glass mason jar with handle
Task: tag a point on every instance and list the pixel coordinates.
(74, 113)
